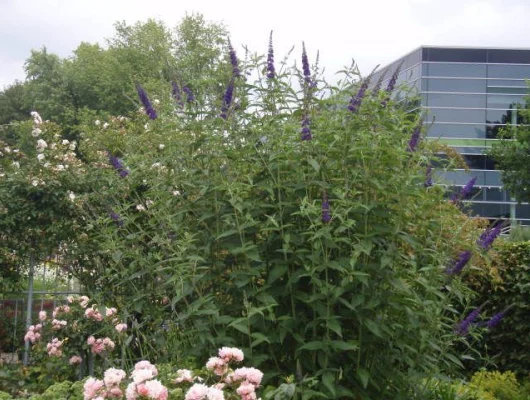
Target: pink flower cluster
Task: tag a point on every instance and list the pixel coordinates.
(60, 309)
(54, 348)
(83, 301)
(184, 375)
(201, 391)
(58, 324)
(121, 327)
(74, 360)
(94, 314)
(109, 387)
(143, 383)
(109, 312)
(42, 316)
(246, 379)
(33, 334)
(98, 346)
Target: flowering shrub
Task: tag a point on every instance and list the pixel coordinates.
(72, 328)
(222, 381)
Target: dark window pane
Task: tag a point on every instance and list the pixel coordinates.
(478, 161)
(454, 85)
(508, 83)
(456, 55)
(492, 210)
(457, 130)
(522, 211)
(456, 100)
(507, 90)
(509, 71)
(456, 115)
(504, 117)
(457, 70)
(505, 102)
(509, 56)
(494, 194)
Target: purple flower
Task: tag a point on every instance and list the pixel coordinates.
(306, 130)
(233, 60)
(415, 138)
(378, 84)
(116, 218)
(227, 99)
(393, 79)
(117, 165)
(305, 66)
(271, 73)
(326, 217)
(462, 328)
(466, 190)
(496, 319)
(428, 176)
(176, 93)
(149, 110)
(189, 94)
(357, 99)
(459, 263)
(488, 236)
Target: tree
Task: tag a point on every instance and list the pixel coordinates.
(512, 156)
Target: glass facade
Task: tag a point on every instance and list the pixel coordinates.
(469, 96)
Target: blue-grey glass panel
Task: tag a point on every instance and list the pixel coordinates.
(456, 100)
(507, 90)
(522, 211)
(503, 117)
(457, 130)
(509, 56)
(457, 70)
(460, 177)
(505, 102)
(456, 115)
(455, 55)
(495, 194)
(454, 85)
(509, 71)
(491, 210)
(470, 150)
(507, 83)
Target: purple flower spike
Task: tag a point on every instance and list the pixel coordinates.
(177, 95)
(428, 176)
(462, 328)
(271, 73)
(326, 217)
(488, 236)
(459, 263)
(117, 165)
(393, 79)
(496, 319)
(378, 84)
(116, 218)
(466, 190)
(149, 110)
(189, 94)
(306, 130)
(415, 138)
(227, 99)
(233, 60)
(305, 66)
(357, 99)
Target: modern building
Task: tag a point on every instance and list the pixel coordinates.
(467, 96)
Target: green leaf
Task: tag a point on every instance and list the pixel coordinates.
(364, 376)
(314, 163)
(328, 379)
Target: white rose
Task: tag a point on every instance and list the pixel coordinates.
(40, 157)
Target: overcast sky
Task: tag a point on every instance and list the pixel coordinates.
(370, 31)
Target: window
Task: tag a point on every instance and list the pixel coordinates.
(454, 85)
(455, 70)
(456, 100)
(509, 56)
(457, 130)
(509, 71)
(456, 115)
(504, 102)
(455, 55)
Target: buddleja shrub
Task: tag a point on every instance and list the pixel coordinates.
(296, 222)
